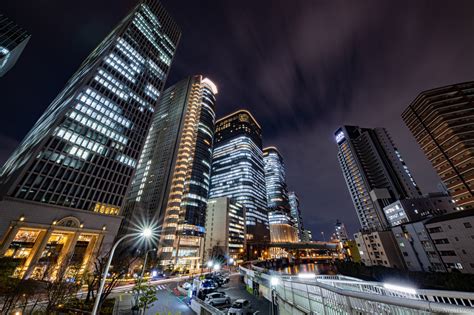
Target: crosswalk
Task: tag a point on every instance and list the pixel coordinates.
(159, 287)
(162, 287)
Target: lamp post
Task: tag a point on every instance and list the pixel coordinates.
(144, 263)
(210, 263)
(146, 233)
(273, 283)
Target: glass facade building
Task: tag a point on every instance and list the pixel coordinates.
(374, 171)
(238, 170)
(277, 192)
(296, 212)
(171, 185)
(81, 154)
(13, 40)
(282, 225)
(442, 122)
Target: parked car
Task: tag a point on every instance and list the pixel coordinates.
(209, 284)
(240, 307)
(217, 278)
(203, 292)
(217, 298)
(186, 285)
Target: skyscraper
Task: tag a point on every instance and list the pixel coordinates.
(340, 233)
(64, 186)
(171, 185)
(296, 212)
(238, 170)
(442, 122)
(375, 173)
(13, 40)
(277, 193)
(282, 225)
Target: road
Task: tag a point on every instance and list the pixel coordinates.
(236, 290)
(169, 302)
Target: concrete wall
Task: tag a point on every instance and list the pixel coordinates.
(455, 242)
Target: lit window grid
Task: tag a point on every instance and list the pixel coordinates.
(53, 112)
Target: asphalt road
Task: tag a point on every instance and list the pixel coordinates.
(169, 302)
(235, 289)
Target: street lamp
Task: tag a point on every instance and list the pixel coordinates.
(210, 263)
(217, 267)
(274, 281)
(144, 263)
(146, 233)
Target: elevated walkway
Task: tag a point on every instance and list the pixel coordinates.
(334, 294)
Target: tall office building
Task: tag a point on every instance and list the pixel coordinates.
(442, 122)
(13, 40)
(340, 233)
(238, 170)
(375, 173)
(63, 188)
(225, 229)
(282, 225)
(171, 185)
(296, 212)
(277, 193)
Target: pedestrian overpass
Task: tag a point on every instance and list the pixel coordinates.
(334, 294)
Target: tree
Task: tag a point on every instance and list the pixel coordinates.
(116, 272)
(62, 285)
(145, 295)
(217, 253)
(16, 292)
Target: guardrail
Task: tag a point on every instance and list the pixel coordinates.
(330, 294)
(201, 308)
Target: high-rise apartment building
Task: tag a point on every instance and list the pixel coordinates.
(374, 171)
(238, 170)
(225, 229)
(63, 188)
(442, 122)
(13, 40)
(171, 185)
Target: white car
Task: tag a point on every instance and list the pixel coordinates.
(217, 298)
(240, 307)
(186, 285)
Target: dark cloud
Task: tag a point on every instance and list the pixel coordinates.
(303, 68)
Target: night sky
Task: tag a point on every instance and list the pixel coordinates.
(303, 68)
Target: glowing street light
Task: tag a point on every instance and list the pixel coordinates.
(307, 275)
(146, 233)
(274, 281)
(399, 288)
(217, 267)
(210, 263)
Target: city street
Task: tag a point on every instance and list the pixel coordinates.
(235, 289)
(169, 302)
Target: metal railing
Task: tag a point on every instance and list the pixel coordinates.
(335, 294)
